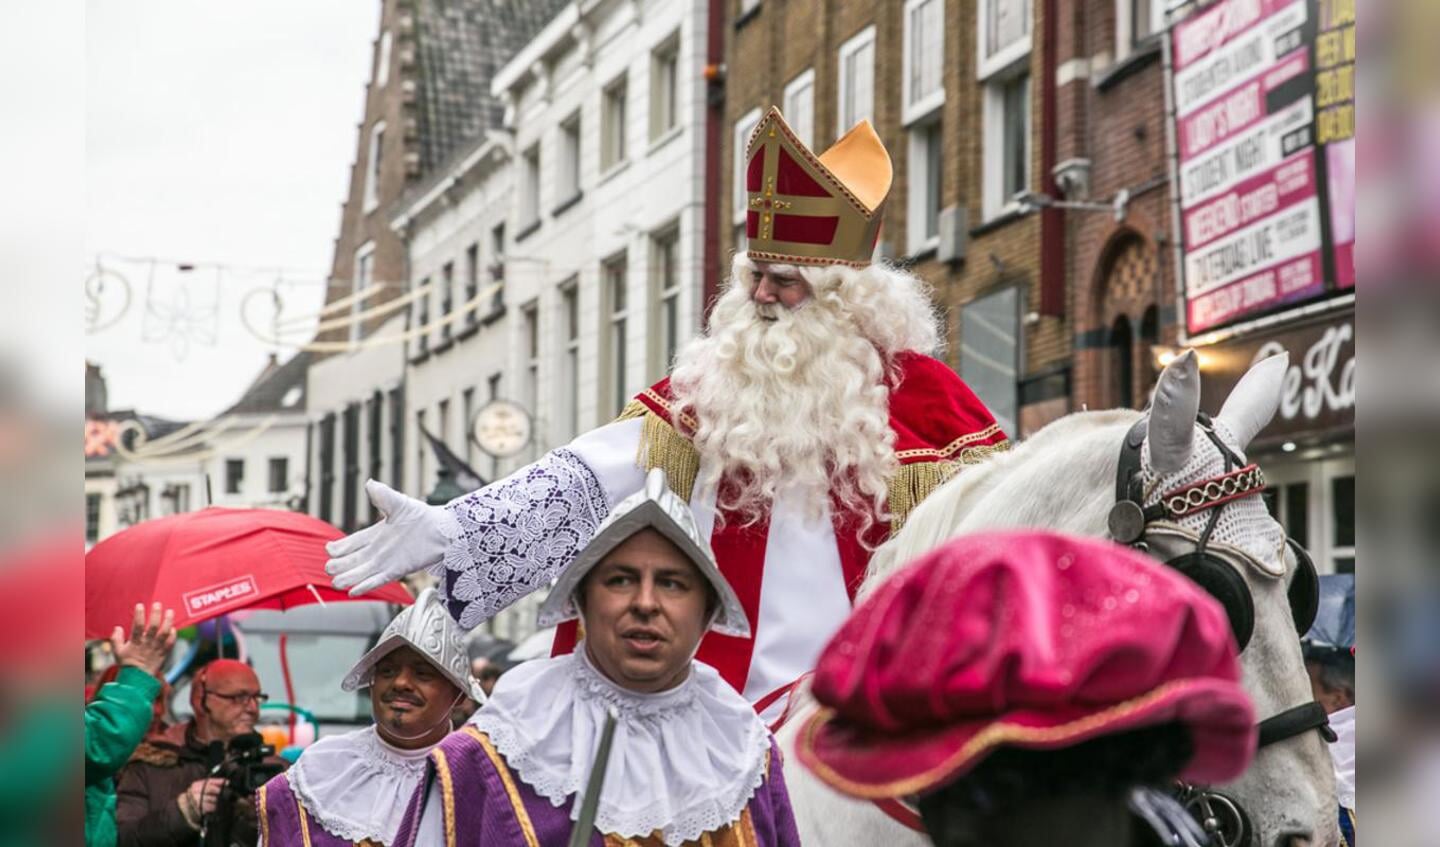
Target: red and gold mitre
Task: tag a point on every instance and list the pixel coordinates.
(805, 209)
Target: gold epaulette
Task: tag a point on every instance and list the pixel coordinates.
(918, 480)
(661, 446)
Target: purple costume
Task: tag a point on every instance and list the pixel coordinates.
(284, 823)
(483, 802)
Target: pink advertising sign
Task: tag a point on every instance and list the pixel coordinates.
(1252, 195)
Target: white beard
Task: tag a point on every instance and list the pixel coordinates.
(788, 400)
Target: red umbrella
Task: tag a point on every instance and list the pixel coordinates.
(207, 563)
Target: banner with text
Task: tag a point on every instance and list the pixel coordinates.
(1260, 205)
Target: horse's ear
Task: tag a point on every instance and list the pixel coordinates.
(1253, 401)
(1172, 414)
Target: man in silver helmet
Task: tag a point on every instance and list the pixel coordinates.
(353, 788)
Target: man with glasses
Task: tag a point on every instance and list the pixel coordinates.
(165, 793)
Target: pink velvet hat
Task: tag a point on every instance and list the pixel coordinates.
(1026, 639)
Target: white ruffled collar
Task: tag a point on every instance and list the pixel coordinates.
(684, 761)
(357, 785)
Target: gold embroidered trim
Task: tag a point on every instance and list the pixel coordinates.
(669, 408)
(661, 446)
(304, 822)
(994, 735)
(949, 450)
(264, 820)
(501, 768)
(447, 795)
(788, 259)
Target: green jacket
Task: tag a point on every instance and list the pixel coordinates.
(115, 722)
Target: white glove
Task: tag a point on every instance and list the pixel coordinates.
(409, 538)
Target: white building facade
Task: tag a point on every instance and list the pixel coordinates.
(587, 212)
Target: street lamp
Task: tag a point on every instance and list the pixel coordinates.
(446, 489)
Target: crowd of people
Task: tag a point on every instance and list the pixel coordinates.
(703, 554)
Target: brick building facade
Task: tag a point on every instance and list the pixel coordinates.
(962, 126)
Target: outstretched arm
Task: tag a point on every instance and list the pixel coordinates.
(495, 545)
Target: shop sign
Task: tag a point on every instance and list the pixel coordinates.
(1318, 396)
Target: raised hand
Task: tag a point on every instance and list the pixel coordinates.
(410, 537)
(149, 643)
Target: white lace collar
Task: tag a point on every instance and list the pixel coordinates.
(356, 785)
(684, 761)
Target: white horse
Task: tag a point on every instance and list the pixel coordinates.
(1064, 478)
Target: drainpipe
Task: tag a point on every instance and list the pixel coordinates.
(1052, 220)
(714, 126)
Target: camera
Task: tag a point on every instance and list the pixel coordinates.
(245, 764)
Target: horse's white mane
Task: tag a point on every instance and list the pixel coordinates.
(1082, 450)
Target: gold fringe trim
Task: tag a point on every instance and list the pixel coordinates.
(912, 484)
(661, 446)
(918, 480)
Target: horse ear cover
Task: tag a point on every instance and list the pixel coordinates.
(1220, 581)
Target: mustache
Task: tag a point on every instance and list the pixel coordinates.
(402, 697)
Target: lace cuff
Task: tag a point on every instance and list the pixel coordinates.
(513, 536)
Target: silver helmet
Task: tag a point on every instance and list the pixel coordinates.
(428, 629)
(653, 507)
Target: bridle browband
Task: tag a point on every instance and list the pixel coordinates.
(1129, 517)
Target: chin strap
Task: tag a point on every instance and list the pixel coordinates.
(1293, 722)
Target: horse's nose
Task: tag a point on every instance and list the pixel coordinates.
(1294, 839)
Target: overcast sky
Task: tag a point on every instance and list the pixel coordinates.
(216, 133)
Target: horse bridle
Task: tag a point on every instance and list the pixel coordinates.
(1219, 814)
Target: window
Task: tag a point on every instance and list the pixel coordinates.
(372, 166)
(1137, 21)
(92, 518)
(530, 187)
(800, 106)
(447, 296)
(1122, 363)
(234, 476)
(279, 475)
(382, 64)
(375, 411)
(422, 482)
(492, 386)
(467, 399)
(857, 80)
(665, 270)
(923, 219)
(612, 125)
(1315, 501)
(568, 186)
(350, 482)
(923, 75)
(175, 499)
(747, 6)
(497, 266)
(1005, 34)
(364, 278)
(1007, 141)
(990, 353)
(327, 468)
(568, 407)
(743, 128)
(422, 319)
(665, 87)
(472, 279)
(397, 437)
(442, 422)
(615, 279)
(532, 358)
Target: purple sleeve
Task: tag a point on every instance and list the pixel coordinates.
(280, 824)
(770, 809)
